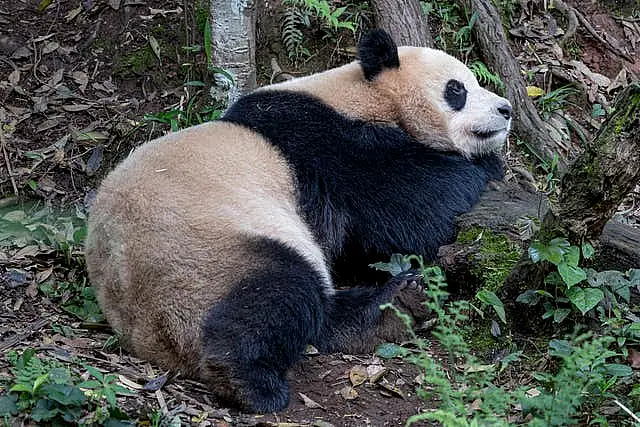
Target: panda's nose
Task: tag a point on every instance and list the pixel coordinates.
(505, 110)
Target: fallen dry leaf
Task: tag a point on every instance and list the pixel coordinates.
(376, 372)
(310, 403)
(391, 389)
(348, 393)
(50, 47)
(358, 375)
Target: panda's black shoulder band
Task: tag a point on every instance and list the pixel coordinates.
(377, 51)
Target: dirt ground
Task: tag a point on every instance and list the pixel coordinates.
(75, 83)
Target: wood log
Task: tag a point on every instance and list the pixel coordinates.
(502, 209)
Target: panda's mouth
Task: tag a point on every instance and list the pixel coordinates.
(488, 134)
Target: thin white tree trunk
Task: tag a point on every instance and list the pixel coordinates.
(233, 43)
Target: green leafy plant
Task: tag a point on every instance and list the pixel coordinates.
(448, 15)
(485, 76)
(583, 382)
(42, 229)
(75, 298)
(299, 14)
(51, 392)
(186, 115)
(469, 392)
(582, 289)
(555, 100)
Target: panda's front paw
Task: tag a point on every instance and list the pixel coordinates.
(410, 295)
(410, 279)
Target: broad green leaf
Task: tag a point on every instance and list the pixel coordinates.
(492, 299)
(390, 350)
(587, 250)
(622, 288)
(585, 299)
(560, 242)
(555, 254)
(634, 276)
(8, 405)
(530, 297)
(64, 394)
(570, 274)
(14, 216)
(40, 380)
(560, 314)
(398, 264)
(618, 370)
(21, 387)
(110, 395)
(91, 384)
(572, 256)
(536, 252)
(42, 411)
(561, 348)
(60, 376)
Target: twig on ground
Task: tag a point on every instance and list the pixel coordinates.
(7, 162)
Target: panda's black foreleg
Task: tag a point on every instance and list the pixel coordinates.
(354, 321)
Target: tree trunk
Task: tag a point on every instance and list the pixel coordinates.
(496, 51)
(590, 191)
(404, 21)
(233, 40)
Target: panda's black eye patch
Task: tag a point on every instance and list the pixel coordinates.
(455, 94)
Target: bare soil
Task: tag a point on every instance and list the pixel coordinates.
(76, 80)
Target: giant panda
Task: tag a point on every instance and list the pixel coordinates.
(211, 249)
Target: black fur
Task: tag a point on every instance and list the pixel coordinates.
(455, 94)
(260, 329)
(377, 51)
(365, 188)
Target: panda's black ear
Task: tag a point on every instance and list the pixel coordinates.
(377, 51)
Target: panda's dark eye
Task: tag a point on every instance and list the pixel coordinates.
(455, 94)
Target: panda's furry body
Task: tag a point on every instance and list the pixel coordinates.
(211, 248)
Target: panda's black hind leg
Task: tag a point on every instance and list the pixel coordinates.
(355, 323)
(261, 327)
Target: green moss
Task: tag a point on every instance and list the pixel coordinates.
(479, 337)
(626, 118)
(137, 62)
(496, 255)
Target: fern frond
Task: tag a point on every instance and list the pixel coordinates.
(485, 76)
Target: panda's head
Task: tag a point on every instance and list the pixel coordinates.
(435, 95)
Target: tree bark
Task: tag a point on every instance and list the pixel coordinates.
(404, 21)
(233, 40)
(495, 48)
(590, 191)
